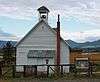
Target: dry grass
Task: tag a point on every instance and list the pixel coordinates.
(59, 80)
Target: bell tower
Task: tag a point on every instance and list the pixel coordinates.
(43, 13)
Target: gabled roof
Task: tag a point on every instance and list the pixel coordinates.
(43, 8)
(28, 33)
(54, 31)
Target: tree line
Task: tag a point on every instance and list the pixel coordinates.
(8, 51)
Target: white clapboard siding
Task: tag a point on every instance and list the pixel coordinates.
(64, 55)
(41, 37)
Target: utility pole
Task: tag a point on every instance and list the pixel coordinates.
(58, 46)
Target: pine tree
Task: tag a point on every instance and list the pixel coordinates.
(8, 51)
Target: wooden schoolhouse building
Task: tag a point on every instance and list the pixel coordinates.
(42, 45)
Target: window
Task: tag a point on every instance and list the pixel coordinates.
(82, 62)
(42, 27)
(41, 54)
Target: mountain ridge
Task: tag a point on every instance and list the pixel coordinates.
(94, 44)
(72, 44)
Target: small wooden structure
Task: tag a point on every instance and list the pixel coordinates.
(94, 57)
(42, 45)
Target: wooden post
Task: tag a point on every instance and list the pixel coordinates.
(61, 70)
(58, 41)
(58, 47)
(24, 73)
(13, 67)
(90, 70)
(48, 70)
(35, 71)
(0, 70)
(75, 70)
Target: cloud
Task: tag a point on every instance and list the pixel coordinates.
(90, 35)
(7, 36)
(15, 12)
(84, 10)
(25, 9)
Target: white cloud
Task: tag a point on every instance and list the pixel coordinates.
(25, 9)
(87, 10)
(90, 35)
(15, 12)
(7, 36)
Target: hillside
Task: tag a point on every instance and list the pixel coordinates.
(95, 44)
(73, 45)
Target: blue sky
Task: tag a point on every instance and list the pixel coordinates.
(80, 19)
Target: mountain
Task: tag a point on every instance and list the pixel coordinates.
(74, 45)
(94, 44)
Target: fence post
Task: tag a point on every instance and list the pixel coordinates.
(61, 70)
(90, 70)
(24, 74)
(35, 72)
(74, 68)
(0, 70)
(47, 70)
(13, 71)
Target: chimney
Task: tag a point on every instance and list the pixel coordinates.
(58, 41)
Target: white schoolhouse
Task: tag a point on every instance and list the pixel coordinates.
(38, 46)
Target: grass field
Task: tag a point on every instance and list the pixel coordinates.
(69, 77)
(47, 80)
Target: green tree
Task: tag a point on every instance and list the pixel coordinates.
(8, 51)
